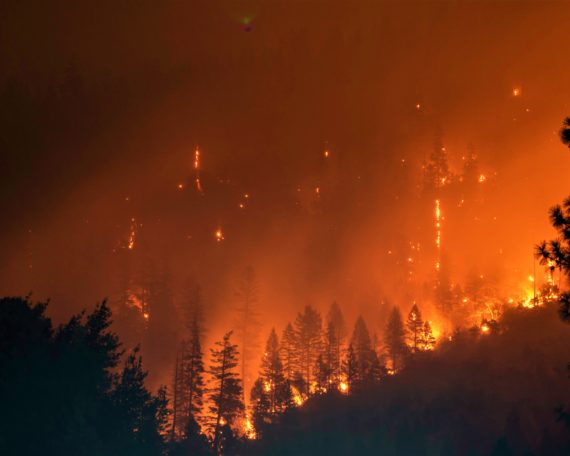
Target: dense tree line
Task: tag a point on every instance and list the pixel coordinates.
(64, 391)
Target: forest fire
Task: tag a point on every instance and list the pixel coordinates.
(322, 236)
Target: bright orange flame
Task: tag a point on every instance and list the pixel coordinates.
(482, 178)
(132, 234)
(516, 92)
(248, 429)
(219, 235)
(485, 328)
(343, 387)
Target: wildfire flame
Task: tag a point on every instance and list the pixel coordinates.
(132, 234)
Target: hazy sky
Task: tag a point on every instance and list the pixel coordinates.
(104, 103)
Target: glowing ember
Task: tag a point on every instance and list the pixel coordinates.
(516, 92)
(343, 387)
(219, 234)
(326, 153)
(132, 234)
(146, 315)
(197, 170)
(482, 178)
(485, 328)
(438, 219)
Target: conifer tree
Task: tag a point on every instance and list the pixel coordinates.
(247, 322)
(260, 406)
(288, 353)
(308, 328)
(272, 376)
(189, 369)
(225, 394)
(335, 334)
(350, 367)
(415, 326)
(427, 339)
(366, 361)
(142, 412)
(395, 339)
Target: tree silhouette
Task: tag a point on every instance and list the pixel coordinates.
(395, 339)
(288, 352)
(335, 334)
(247, 322)
(189, 367)
(272, 376)
(565, 132)
(427, 339)
(366, 361)
(64, 385)
(415, 326)
(225, 395)
(308, 338)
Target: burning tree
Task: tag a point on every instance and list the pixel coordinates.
(271, 393)
(225, 395)
(308, 328)
(334, 338)
(415, 326)
(427, 339)
(288, 355)
(395, 339)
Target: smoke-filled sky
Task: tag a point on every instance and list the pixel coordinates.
(104, 103)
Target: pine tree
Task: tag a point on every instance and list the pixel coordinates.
(288, 354)
(189, 369)
(364, 355)
(142, 413)
(225, 395)
(334, 339)
(260, 406)
(350, 368)
(323, 374)
(247, 321)
(427, 339)
(272, 376)
(308, 328)
(395, 339)
(415, 326)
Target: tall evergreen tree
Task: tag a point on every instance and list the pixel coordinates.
(247, 322)
(273, 377)
(308, 335)
(65, 385)
(366, 367)
(427, 339)
(335, 335)
(415, 326)
(288, 352)
(350, 368)
(143, 414)
(225, 394)
(395, 339)
(189, 369)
